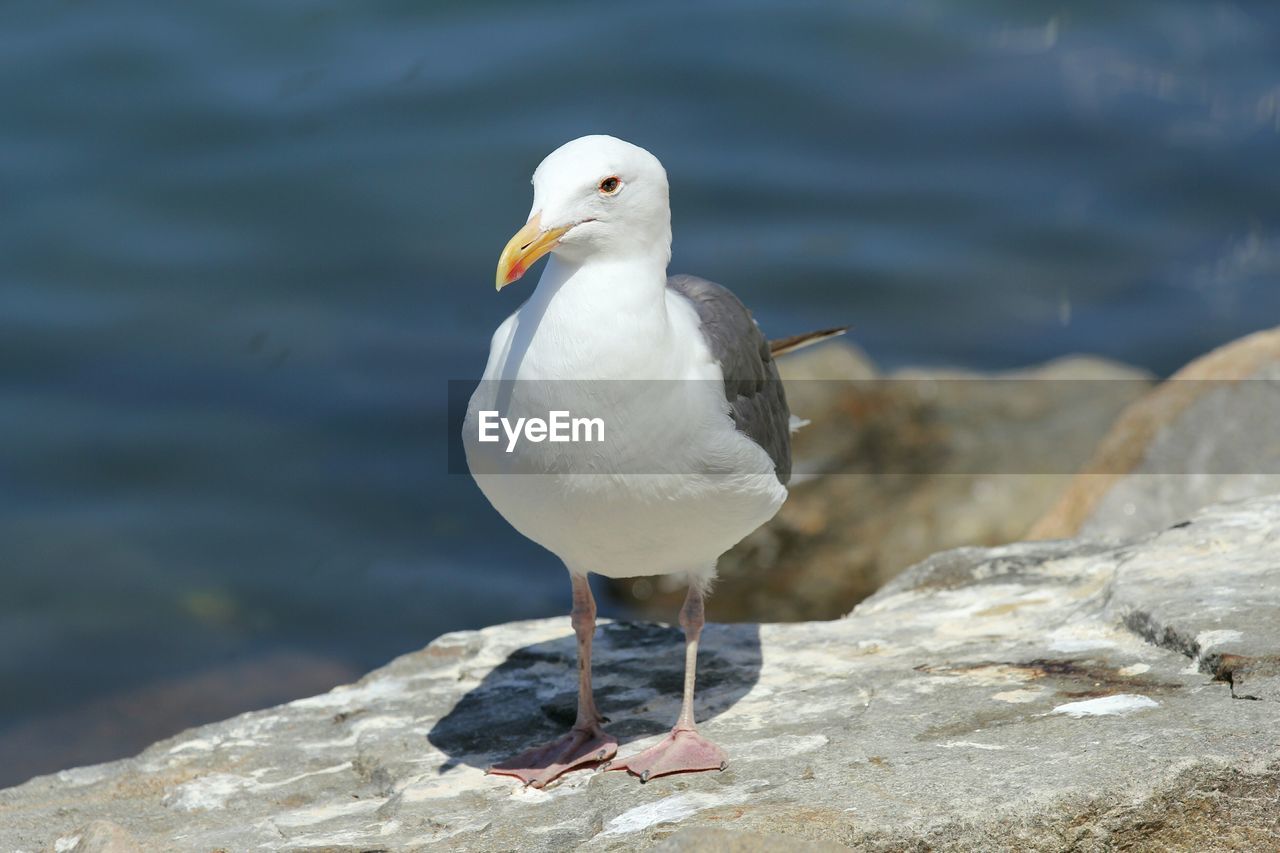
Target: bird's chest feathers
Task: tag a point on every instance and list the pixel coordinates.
(597, 327)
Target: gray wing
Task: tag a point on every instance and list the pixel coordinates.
(757, 403)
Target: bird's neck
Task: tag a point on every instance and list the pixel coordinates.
(634, 286)
(597, 318)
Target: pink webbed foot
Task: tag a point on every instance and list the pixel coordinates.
(682, 751)
(542, 765)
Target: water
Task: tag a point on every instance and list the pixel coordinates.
(243, 247)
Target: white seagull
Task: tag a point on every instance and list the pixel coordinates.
(695, 456)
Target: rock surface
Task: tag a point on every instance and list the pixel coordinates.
(1044, 696)
(131, 718)
(1207, 434)
(894, 468)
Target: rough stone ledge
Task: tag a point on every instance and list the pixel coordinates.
(1041, 696)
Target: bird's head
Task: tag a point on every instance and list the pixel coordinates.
(596, 196)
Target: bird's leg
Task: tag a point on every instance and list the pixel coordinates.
(586, 743)
(583, 618)
(684, 750)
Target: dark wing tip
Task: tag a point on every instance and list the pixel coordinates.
(782, 346)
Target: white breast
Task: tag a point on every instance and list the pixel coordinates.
(673, 486)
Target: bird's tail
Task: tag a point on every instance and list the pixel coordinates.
(782, 346)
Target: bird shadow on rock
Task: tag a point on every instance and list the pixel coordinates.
(638, 669)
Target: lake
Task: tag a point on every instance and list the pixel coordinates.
(244, 247)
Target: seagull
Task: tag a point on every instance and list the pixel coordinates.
(697, 450)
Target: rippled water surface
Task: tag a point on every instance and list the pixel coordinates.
(244, 246)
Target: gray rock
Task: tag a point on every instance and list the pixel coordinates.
(101, 836)
(1040, 696)
(1204, 436)
(704, 838)
(127, 720)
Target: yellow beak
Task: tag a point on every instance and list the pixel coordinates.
(530, 243)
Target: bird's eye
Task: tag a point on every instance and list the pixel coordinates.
(610, 185)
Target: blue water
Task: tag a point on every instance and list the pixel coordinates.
(245, 245)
